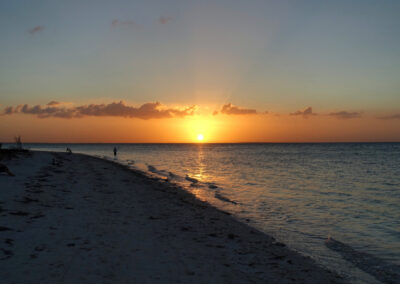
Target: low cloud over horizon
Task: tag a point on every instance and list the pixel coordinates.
(388, 117)
(121, 109)
(234, 110)
(304, 112)
(156, 110)
(345, 114)
(308, 111)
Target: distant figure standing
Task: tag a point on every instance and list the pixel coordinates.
(69, 151)
(115, 151)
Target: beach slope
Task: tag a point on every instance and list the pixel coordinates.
(74, 218)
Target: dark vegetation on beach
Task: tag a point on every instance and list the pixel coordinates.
(13, 152)
(8, 154)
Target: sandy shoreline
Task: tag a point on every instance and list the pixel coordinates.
(74, 218)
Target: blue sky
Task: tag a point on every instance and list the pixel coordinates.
(279, 55)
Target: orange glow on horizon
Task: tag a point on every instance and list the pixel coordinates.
(200, 127)
(213, 128)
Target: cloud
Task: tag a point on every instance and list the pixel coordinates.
(36, 30)
(305, 112)
(119, 109)
(391, 116)
(53, 103)
(345, 114)
(121, 23)
(164, 20)
(8, 110)
(231, 109)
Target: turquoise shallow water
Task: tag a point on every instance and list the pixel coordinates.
(302, 194)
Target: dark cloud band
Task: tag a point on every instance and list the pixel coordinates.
(120, 109)
(345, 114)
(307, 112)
(388, 117)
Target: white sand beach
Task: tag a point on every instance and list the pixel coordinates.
(80, 219)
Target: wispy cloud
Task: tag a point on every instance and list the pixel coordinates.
(390, 116)
(164, 20)
(345, 114)
(308, 111)
(36, 30)
(123, 23)
(231, 109)
(120, 109)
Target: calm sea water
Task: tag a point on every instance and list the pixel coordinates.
(303, 194)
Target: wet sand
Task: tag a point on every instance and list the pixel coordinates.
(74, 218)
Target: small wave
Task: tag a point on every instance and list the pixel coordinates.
(379, 268)
(333, 193)
(212, 185)
(223, 198)
(372, 189)
(152, 169)
(156, 171)
(192, 180)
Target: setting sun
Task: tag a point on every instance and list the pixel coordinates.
(200, 137)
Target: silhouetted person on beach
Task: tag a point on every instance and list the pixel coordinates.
(115, 151)
(69, 151)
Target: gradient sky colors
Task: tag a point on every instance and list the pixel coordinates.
(165, 71)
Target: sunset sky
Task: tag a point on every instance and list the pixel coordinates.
(167, 71)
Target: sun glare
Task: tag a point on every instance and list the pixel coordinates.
(200, 129)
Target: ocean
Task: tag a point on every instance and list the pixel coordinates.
(338, 203)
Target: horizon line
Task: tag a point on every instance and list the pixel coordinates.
(200, 143)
